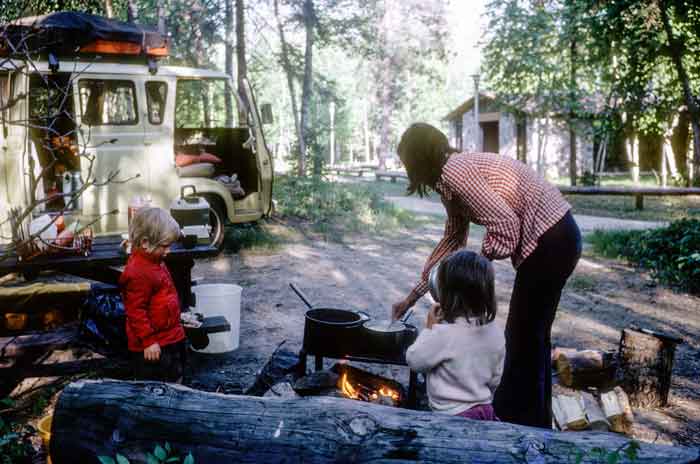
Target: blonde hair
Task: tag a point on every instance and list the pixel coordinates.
(154, 225)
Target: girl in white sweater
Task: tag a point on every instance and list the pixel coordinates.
(462, 348)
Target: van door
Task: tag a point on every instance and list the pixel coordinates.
(158, 122)
(14, 188)
(111, 130)
(262, 153)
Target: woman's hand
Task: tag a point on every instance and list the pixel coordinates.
(152, 353)
(398, 309)
(434, 316)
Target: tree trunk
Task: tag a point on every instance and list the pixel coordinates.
(385, 73)
(228, 55)
(109, 9)
(646, 362)
(677, 50)
(96, 418)
(241, 62)
(160, 13)
(573, 170)
(307, 88)
(132, 11)
(289, 72)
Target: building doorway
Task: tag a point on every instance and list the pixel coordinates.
(490, 131)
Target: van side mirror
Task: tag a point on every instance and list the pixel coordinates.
(266, 113)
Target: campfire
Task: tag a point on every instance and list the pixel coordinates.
(361, 385)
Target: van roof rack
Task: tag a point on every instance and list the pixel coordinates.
(67, 34)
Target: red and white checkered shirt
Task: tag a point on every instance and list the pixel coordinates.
(500, 193)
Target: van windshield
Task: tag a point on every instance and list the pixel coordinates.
(205, 104)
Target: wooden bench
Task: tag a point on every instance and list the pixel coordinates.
(637, 192)
(392, 175)
(339, 170)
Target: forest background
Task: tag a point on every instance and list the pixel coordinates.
(363, 70)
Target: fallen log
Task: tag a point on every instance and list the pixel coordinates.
(94, 418)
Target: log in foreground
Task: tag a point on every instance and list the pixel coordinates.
(106, 417)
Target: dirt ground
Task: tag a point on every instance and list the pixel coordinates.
(371, 273)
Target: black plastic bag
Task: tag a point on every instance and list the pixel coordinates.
(103, 322)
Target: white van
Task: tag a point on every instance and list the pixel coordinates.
(133, 119)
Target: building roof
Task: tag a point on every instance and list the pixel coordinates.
(468, 105)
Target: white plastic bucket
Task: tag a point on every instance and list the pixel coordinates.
(220, 300)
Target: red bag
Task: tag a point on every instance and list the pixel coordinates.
(205, 157)
(182, 160)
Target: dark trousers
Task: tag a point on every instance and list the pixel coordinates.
(525, 393)
(169, 368)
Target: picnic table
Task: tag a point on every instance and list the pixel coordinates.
(103, 260)
(101, 264)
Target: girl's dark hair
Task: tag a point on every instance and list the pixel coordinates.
(423, 150)
(466, 287)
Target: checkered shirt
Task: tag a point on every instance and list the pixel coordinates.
(502, 194)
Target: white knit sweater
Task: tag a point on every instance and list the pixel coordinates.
(463, 363)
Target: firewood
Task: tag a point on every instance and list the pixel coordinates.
(569, 412)
(559, 351)
(587, 368)
(102, 418)
(617, 410)
(594, 413)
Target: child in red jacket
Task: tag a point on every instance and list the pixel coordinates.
(154, 333)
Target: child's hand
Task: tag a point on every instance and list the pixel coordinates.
(434, 316)
(152, 353)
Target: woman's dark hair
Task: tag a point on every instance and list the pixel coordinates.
(466, 287)
(423, 150)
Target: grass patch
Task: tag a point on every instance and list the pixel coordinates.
(622, 207)
(582, 283)
(672, 254)
(256, 236)
(334, 209)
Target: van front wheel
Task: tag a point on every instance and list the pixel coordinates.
(217, 221)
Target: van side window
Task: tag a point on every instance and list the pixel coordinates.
(156, 93)
(108, 102)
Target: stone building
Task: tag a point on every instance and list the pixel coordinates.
(540, 141)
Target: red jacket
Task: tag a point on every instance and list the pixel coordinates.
(151, 303)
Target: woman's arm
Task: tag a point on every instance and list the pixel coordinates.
(487, 208)
(455, 237)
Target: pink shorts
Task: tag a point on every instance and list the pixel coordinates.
(480, 412)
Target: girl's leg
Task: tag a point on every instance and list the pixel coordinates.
(525, 393)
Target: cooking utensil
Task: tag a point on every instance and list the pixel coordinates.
(389, 340)
(331, 331)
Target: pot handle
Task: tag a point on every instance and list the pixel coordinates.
(301, 295)
(365, 317)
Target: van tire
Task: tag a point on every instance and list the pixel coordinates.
(217, 220)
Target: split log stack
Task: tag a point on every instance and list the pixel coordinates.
(646, 362)
(94, 418)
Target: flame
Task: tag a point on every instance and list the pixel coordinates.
(347, 388)
(351, 392)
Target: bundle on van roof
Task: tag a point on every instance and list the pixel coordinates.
(67, 33)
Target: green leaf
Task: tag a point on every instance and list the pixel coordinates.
(122, 459)
(106, 460)
(150, 459)
(189, 459)
(167, 447)
(173, 459)
(160, 453)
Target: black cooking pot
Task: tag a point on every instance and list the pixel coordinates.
(388, 341)
(332, 332)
